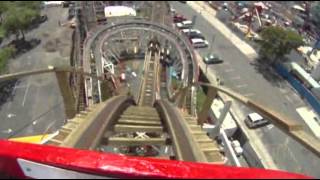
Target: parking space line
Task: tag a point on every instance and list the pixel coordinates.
(241, 85)
(270, 126)
(249, 94)
(289, 99)
(25, 94)
(19, 87)
(235, 78)
(229, 70)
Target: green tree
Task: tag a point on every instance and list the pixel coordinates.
(3, 9)
(17, 20)
(32, 5)
(2, 32)
(3, 6)
(5, 54)
(276, 42)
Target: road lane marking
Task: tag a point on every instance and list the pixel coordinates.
(229, 70)
(20, 87)
(289, 99)
(25, 94)
(11, 115)
(15, 86)
(249, 94)
(284, 91)
(8, 131)
(270, 126)
(242, 85)
(235, 78)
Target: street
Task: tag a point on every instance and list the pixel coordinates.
(240, 74)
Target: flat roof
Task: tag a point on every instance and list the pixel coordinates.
(191, 30)
(298, 7)
(187, 22)
(307, 77)
(195, 40)
(255, 117)
(119, 11)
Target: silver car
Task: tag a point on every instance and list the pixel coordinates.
(255, 120)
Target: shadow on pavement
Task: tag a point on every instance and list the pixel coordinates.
(37, 21)
(23, 46)
(7, 90)
(267, 72)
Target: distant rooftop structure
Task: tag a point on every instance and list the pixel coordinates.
(116, 11)
(297, 7)
(53, 2)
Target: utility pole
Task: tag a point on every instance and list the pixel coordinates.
(194, 18)
(212, 41)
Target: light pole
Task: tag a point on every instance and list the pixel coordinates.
(212, 41)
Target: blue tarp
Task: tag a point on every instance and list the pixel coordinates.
(299, 87)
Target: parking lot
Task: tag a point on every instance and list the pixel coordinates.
(34, 104)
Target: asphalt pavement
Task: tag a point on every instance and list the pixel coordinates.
(35, 104)
(242, 75)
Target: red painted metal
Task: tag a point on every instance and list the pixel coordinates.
(113, 165)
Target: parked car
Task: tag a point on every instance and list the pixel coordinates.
(193, 33)
(122, 77)
(134, 74)
(71, 12)
(184, 24)
(172, 10)
(255, 120)
(66, 4)
(237, 147)
(179, 18)
(212, 59)
(199, 43)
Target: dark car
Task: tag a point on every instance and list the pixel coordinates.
(72, 13)
(212, 59)
(37, 21)
(65, 4)
(198, 36)
(178, 18)
(42, 19)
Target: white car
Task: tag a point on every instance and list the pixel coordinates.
(184, 24)
(237, 147)
(199, 43)
(255, 120)
(191, 31)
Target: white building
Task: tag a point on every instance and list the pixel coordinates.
(116, 11)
